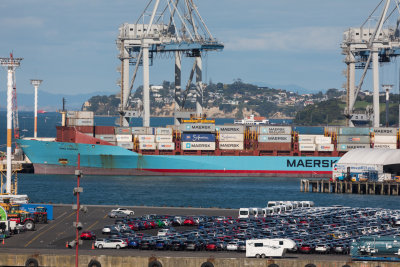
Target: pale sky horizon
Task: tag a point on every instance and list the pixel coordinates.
(71, 44)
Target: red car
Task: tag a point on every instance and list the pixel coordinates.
(88, 235)
(211, 247)
(189, 221)
(305, 248)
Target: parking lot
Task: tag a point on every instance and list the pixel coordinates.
(212, 230)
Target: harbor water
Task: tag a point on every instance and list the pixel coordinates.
(224, 192)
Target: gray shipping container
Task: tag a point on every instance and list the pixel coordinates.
(123, 130)
(197, 127)
(107, 137)
(347, 147)
(80, 122)
(354, 131)
(348, 139)
(385, 131)
(80, 114)
(274, 138)
(139, 130)
(163, 131)
(231, 129)
(126, 145)
(277, 130)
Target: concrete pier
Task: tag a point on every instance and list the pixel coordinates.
(389, 188)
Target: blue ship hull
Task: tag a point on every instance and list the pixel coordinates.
(62, 158)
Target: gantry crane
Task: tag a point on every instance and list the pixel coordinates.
(165, 26)
(364, 46)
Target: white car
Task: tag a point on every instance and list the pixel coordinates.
(165, 232)
(232, 246)
(110, 243)
(126, 211)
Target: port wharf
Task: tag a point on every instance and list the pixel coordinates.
(46, 246)
(389, 188)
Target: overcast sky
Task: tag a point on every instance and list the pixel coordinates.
(71, 44)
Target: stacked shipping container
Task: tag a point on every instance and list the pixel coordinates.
(275, 138)
(353, 137)
(231, 137)
(198, 136)
(385, 138)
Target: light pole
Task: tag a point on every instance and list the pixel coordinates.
(10, 64)
(36, 84)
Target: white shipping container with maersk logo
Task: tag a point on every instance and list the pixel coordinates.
(198, 146)
(166, 146)
(164, 139)
(223, 137)
(323, 140)
(274, 138)
(163, 131)
(199, 127)
(145, 138)
(306, 139)
(325, 147)
(387, 146)
(123, 138)
(147, 146)
(230, 129)
(277, 130)
(385, 131)
(231, 145)
(306, 147)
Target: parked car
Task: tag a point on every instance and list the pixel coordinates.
(117, 214)
(124, 210)
(88, 235)
(111, 243)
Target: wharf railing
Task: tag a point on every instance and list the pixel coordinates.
(390, 188)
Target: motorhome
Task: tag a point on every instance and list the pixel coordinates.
(261, 248)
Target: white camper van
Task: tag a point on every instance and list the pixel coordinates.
(267, 212)
(261, 248)
(245, 213)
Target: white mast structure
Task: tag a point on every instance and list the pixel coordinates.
(173, 27)
(364, 47)
(10, 64)
(36, 84)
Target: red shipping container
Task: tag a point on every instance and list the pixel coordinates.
(275, 146)
(84, 129)
(100, 130)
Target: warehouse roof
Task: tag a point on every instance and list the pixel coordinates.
(371, 156)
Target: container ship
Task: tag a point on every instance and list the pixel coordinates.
(198, 147)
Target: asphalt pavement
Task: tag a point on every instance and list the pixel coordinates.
(53, 236)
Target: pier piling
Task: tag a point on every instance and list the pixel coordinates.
(390, 188)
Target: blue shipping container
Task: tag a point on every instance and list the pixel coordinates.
(31, 208)
(309, 130)
(198, 137)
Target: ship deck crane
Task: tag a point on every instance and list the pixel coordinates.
(364, 47)
(171, 26)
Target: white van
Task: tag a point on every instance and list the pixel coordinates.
(307, 204)
(267, 212)
(277, 209)
(261, 248)
(274, 203)
(245, 213)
